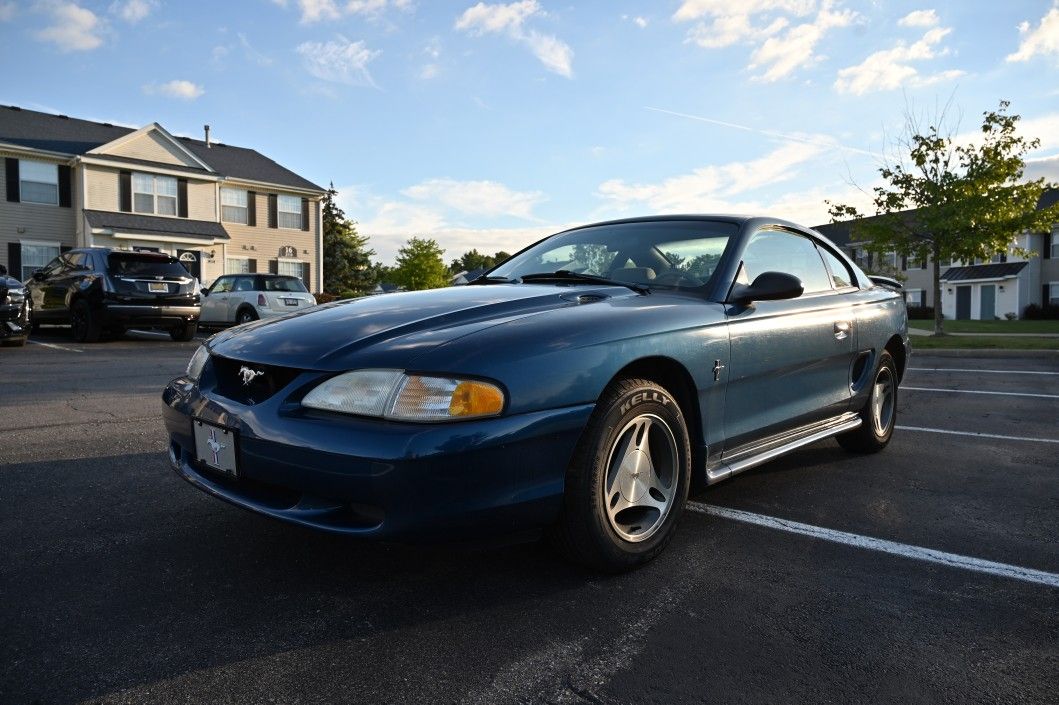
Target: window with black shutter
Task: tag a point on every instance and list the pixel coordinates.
(125, 191)
(14, 259)
(273, 210)
(182, 198)
(305, 214)
(251, 209)
(273, 266)
(306, 273)
(11, 178)
(66, 177)
(251, 266)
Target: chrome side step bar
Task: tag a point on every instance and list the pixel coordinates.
(810, 434)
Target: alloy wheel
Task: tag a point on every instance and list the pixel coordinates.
(882, 401)
(641, 480)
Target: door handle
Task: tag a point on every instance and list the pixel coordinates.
(842, 329)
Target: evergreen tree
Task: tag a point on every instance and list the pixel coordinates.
(347, 258)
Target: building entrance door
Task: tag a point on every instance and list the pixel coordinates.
(963, 303)
(191, 261)
(988, 309)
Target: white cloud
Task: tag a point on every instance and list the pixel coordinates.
(785, 42)
(132, 11)
(339, 61)
(251, 53)
(711, 188)
(7, 11)
(376, 7)
(480, 19)
(1047, 169)
(73, 27)
(892, 68)
(432, 51)
(478, 198)
(1042, 40)
(181, 89)
(919, 18)
(640, 22)
(317, 10)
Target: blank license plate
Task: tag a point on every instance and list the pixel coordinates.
(291, 302)
(158, 287)
(215, 446)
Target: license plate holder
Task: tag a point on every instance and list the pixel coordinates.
(157, 288)
(291, 302)
(215, 447)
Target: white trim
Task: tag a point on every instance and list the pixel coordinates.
(154, 238)
(278, 188)
(148, 168)
(147, 129)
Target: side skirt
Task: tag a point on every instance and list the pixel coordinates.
(775, 446)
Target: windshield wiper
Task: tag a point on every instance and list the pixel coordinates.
(490, 280)
(565, 275)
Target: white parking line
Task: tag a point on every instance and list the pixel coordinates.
(988, 372)
(951, 560)
(978, 435)
(54, 346)
(977, 391)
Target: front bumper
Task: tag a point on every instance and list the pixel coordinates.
(379, 478)
(12, 321)
(149, 315)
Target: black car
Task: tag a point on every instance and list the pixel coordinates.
(14, 310)
(101, 291)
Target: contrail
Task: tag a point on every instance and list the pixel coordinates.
(769, 133)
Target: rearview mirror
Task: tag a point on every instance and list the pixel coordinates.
(768, 286)
(38, 275)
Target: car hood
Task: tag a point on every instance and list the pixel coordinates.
(391, 330)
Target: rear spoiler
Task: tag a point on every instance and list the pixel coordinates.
(887, 282)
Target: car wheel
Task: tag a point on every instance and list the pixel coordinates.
(184, 333)
(13, 342)
(85, 324)
(245, 315)
(879, 414)
(628, 482)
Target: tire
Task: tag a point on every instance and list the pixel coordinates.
(245, 315)
(14, 342)
(612, 519)
(879, 415)
(85, 324)
(184, 333)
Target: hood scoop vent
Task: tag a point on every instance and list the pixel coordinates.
(589, 298)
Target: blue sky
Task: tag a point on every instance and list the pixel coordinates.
(491, 124)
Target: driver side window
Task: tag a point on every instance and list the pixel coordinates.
(222, 286)
(781, 251)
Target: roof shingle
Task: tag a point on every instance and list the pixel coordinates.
(151, 225)
(998, 270)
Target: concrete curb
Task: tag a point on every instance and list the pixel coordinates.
(984, 352)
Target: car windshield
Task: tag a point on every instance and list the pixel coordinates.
(132, 264)
(668, 254)
(284, 284)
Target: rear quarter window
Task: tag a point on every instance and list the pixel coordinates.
(284, 284)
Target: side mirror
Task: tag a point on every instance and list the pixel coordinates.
(38, 275)
(768, 286)
(205, 291)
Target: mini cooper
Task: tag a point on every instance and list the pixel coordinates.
(579, 388)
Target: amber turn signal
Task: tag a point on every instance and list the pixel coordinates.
(473, 398)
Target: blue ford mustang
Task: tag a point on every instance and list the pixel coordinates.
(580, 387)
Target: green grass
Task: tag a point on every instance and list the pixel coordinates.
(991, 326)
(979, 342)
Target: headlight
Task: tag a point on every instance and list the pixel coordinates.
(197, 362)
(392, 394)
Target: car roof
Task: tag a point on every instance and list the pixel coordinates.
(735, 219)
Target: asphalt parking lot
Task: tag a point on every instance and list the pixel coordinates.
(121, 583)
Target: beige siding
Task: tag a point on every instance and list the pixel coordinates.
(152, 147)
(37, 221)
(102, 185)
(103, 193)
(268, 241)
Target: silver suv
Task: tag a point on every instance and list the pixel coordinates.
(241, 298)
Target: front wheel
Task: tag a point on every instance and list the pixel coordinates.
(879, 414)
(628, 482)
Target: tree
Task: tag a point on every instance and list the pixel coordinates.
(347, 259)
(948, 201)
(470, 261)
(419, 265)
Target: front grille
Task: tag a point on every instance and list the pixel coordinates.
(230, 380)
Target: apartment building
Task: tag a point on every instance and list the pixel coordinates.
(219, 208)
(979, 290)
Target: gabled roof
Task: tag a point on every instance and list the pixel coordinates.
(104, 149)
(59, 133)
(154, 225)
(999, 270)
